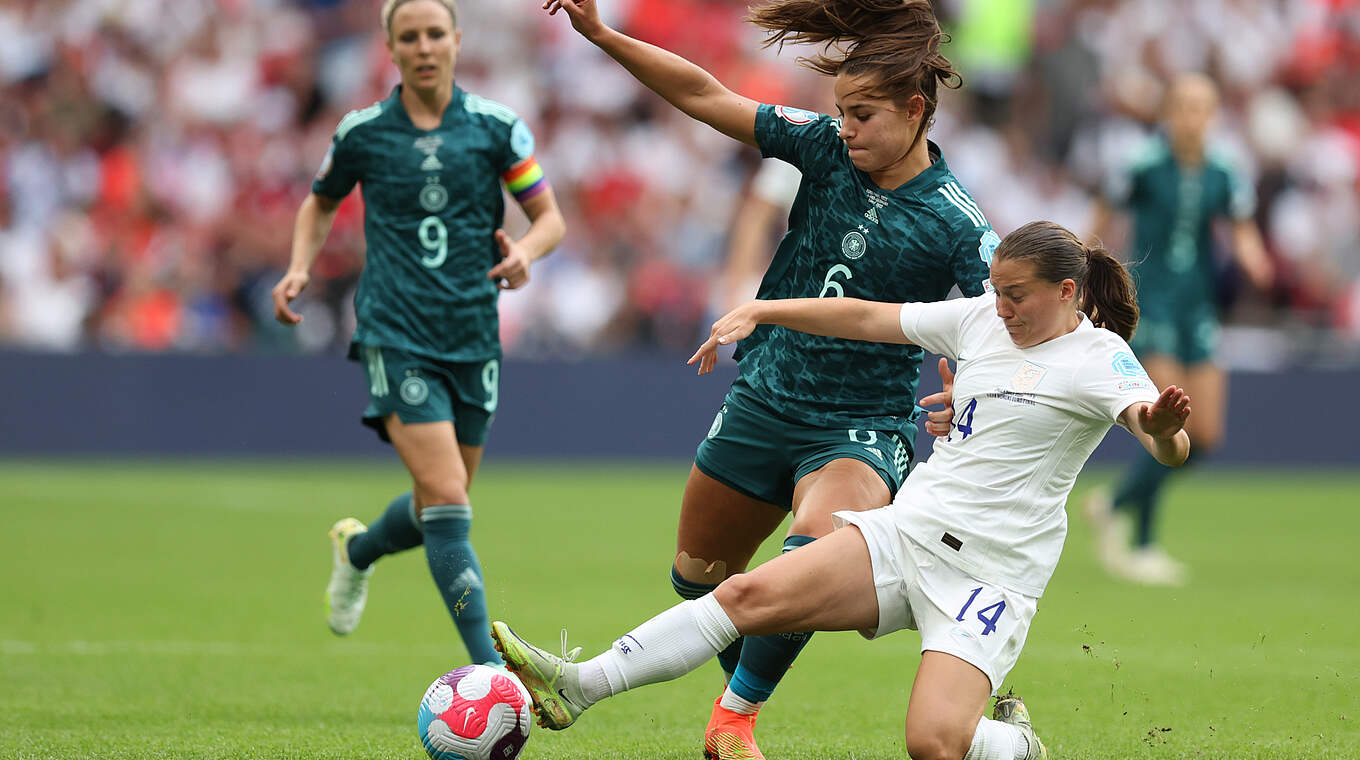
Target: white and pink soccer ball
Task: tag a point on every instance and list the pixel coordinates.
(474, 713)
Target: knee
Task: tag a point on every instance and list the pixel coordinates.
(936, 743)
(429, 493)
(812, 521)
(697, 572)
(739, 593)
(689, 588)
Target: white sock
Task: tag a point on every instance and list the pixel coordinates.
(995, 740)
(666, 647)
(732, 701)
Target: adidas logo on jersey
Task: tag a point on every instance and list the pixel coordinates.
(876, 202)
(429, 145)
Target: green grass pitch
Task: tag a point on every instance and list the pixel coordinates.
(174, 610)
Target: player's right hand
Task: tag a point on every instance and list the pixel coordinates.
(732, 327)
(584, 16)
(288, 288)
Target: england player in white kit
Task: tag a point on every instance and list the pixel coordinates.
(971, 539)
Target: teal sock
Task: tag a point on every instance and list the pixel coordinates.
(765, 659)
(728, 657)
(458, 575)
(1139, 492)
(395, 530)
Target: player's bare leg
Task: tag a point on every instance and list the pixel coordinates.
(945, 715)
(438, 466)
(839, 484)
(687, 635)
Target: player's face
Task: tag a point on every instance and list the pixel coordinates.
(1190, 109)
(877, 130)
(1033, 309)
(424, 44)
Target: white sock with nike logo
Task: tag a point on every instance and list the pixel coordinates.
(664, 648)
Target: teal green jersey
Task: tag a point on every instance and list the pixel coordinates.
(1172, 208)
(432, 201)
(849, 237)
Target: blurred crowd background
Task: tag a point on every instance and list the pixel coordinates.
(153, 154)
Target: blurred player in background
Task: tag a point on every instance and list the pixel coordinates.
(815, 424)
(1173, 193)
(764, 208)
(971, 540)
(431, 160)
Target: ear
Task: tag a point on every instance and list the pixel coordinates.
(916, 106)
(1067, 290)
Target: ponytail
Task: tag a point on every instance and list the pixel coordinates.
(1108, 295)
(1104, 287)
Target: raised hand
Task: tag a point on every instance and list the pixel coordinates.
(284, 292)
(584, 15)
(939, 423)
(1167, 415)
(513, 271)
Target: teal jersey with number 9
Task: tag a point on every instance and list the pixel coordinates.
(432, 202)
(848, 237)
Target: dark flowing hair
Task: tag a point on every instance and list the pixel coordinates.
(1104, 289)
(895, 42)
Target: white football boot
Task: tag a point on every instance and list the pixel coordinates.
(347, 593)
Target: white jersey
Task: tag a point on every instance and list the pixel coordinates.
(990, 500)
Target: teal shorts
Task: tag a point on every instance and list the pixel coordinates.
(753, 450)
(1188, 335)
(419, 389)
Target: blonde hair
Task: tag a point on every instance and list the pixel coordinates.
(390, 7)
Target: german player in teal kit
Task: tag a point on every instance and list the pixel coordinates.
(1173, 193)
(431, 161)
(816, 424)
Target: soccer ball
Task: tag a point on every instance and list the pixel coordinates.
(474, 713)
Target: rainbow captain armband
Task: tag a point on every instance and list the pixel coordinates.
(525, 179)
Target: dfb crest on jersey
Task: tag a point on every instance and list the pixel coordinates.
(433, 197)
(414, 391)
(853, 245)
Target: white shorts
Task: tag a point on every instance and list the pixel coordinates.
(980, 623)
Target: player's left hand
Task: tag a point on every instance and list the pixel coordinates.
(1167, 415)
(513, 271)
(939, 423)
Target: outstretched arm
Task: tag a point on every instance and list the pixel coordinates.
(1160, 426)
(849, 318)
(683, 84)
